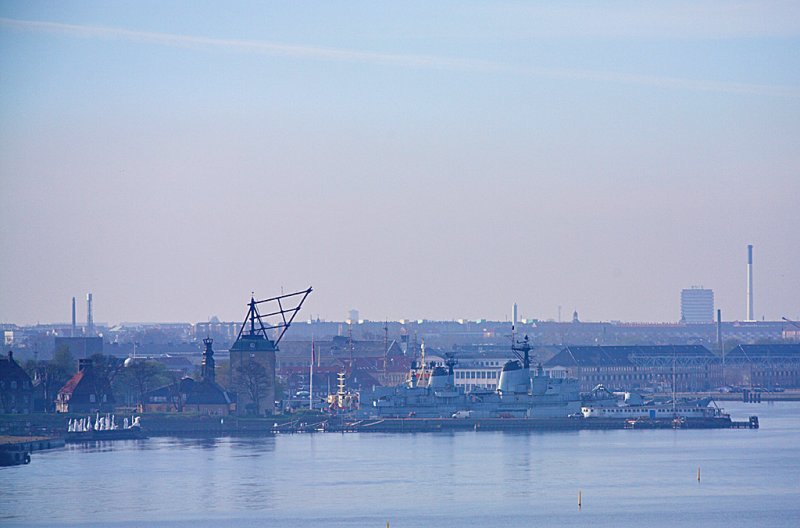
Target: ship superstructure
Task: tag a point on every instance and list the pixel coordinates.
(430, 392)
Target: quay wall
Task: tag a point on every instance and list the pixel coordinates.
(154, 424)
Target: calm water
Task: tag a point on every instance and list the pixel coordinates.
(627, 478)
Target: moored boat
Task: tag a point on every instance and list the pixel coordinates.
(103, 428)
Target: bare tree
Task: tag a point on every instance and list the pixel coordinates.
(252, 377)
(49, 376)
(175, 394)
(105, 368)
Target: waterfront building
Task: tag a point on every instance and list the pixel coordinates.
(692, 367)
(252, 358)
(86, 391)
(768, 365)
(205, 396)
(697, 305)
(16, 389)
(252, 355)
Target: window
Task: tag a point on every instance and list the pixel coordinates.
(92, 398)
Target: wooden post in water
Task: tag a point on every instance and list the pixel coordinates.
(698, 473)
(579, 499)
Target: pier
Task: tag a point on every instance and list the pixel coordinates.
(422, 425)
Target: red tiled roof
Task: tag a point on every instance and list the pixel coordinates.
(69, 387)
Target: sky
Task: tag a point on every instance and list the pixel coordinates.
(412, 160)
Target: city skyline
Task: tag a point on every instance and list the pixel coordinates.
(428, 162)
(354, 316)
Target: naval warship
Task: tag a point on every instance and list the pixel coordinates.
(522, 392)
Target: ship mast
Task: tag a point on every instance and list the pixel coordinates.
(311, 379)
(350, 344)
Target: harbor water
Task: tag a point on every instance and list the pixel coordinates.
(465, 479)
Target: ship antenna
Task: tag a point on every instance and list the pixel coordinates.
(525, 347)
(350, 343)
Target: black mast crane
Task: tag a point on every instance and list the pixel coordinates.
(286, 306)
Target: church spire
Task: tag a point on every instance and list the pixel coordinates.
(207, 370)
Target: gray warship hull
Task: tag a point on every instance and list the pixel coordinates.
(521, 393)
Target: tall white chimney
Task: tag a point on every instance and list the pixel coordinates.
(89, 315)
(514, 314)
(750, 315)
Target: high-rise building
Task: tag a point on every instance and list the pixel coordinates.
(697, 305)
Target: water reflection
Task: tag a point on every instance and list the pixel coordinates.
(201, 442)
(465, 478)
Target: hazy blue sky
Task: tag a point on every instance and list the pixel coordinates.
(409, 159)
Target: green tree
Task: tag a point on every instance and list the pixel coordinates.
(140, 377)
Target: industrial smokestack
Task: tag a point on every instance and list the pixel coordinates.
(720, 347)
(514, 314)
(74, 325)
(750, 315)
(89, 317)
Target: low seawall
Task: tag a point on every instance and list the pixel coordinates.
(414, 425)
(31, 443)
(55, 425)
(154, 424)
